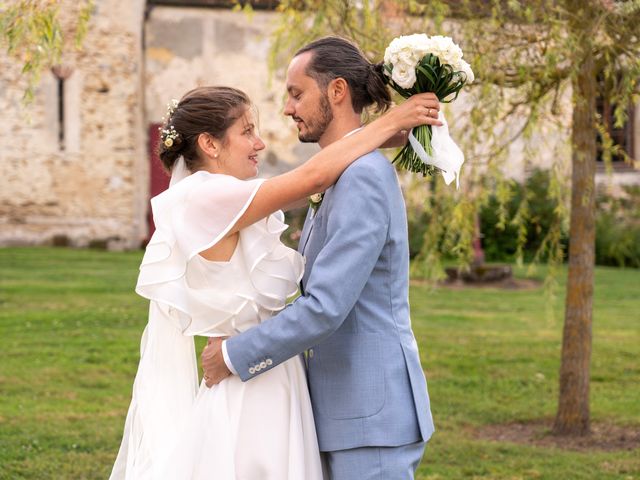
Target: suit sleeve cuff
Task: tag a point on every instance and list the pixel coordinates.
(226, 358)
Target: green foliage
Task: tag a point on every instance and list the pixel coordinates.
(532, 211)
(302, 21)
(515, 223)
(70, 328)
(448, 233)
(618, 229)
(32, 32)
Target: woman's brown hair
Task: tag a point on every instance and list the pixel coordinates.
(209, 110)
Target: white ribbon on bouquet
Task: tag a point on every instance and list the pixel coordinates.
(447, 156)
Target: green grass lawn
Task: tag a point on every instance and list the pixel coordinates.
(70, 327)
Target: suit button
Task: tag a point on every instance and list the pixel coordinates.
(311, 353)
(258, 368)
(252, 370)
(269, 362)
(263, 365)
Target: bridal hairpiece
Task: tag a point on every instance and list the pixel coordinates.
(171, 107)
(169, 135)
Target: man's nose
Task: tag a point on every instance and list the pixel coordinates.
(288, 109)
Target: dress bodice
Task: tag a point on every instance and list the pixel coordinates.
(231, 284)
(216, 298)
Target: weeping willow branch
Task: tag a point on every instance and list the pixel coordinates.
(33, 35)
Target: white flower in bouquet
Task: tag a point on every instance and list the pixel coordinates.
(444, 48)
(404, 75)
(419, 63)
(466, 68)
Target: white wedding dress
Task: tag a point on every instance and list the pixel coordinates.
(258, 430)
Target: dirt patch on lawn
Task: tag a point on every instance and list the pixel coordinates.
(603, 436)
(507, 284)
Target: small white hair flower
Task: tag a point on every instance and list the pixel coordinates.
(168, 136)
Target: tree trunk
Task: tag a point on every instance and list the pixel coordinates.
(573, 406)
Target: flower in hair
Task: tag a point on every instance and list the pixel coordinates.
(171, 107)
(169, 136)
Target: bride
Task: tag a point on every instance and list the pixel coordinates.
(215, 266)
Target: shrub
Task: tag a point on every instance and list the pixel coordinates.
(531, 204)
(618, 229)
(617, 223)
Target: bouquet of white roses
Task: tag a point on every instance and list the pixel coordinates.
(417, 64)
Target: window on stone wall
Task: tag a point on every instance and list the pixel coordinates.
(60, 92)
(61, 74)
(622, 136)
(66, 107)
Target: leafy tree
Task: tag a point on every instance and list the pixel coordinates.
(35, 35)
(532, 60)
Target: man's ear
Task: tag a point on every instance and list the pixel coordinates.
(208, 145)
(338, 90)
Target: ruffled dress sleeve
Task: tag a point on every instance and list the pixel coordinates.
(190, 217)
(194, 215)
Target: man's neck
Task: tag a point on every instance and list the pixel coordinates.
(338, 128)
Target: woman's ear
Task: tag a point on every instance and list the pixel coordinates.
(209, 145)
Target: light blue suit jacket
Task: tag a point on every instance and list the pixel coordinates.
(367, 385)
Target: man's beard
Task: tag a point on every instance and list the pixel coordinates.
(318, 125)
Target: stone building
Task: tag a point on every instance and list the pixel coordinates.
(78, 165)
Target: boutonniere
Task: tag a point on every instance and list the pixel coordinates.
(315, 201)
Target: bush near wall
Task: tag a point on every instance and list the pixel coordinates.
(617, 224)
(500, 242)
(618, 229)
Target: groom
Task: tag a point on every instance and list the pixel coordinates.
(368, 390)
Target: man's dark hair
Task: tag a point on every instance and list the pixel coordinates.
(336, 57)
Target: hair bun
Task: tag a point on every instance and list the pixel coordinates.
(378, 69)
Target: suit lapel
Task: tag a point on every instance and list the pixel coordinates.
(306, 231)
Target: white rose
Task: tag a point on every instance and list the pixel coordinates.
(394, 47)
(418, 40)
(404, 75)
(405, 43)
(408, 57)
(466, 69)
(445, 49)
(419, 44)
(390, 55)
(401, 54)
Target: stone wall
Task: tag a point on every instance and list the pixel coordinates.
(93, 189)
(189, 47)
